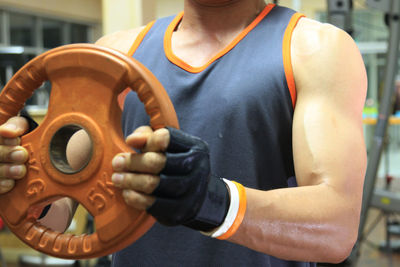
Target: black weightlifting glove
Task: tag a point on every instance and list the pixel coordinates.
(188, 194)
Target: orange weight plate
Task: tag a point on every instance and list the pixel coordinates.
(86, 80)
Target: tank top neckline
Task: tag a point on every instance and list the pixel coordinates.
(183, 65)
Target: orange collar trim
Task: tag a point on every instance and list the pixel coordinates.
(182, 64)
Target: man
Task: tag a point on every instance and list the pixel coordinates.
(275, 95)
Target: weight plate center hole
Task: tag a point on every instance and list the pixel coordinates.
(70, 149)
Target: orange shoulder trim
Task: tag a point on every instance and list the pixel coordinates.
(139, 38)
(135, 45)
(287, 62)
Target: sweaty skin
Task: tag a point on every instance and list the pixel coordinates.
(317, 221)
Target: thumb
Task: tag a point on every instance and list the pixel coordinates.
(14, 127)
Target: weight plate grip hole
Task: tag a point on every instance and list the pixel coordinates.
(59, 145)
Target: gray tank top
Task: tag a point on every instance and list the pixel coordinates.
(241, 103)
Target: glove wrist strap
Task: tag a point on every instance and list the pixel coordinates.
(214, 208)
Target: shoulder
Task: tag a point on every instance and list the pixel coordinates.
(322, 54)
(121, 40)
(311, 37)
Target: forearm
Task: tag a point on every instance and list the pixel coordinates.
(309, 223)
(60, 214)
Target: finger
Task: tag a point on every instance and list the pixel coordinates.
(13, 154)
(137, 200)
(10, 141)
(14, 127)
(9, 171)
(145, 139)
(138, 138)
(6, 185)
(149, 162)
(143, 183)
(158, 141)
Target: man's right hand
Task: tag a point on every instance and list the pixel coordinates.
(12, 155)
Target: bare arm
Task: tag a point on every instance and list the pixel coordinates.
(317, 221)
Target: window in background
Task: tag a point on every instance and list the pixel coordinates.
(2, 77)
(35, 34)
(22, 29)
(368, 25)
(79, 33)
(2, 27)
(52, 33)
